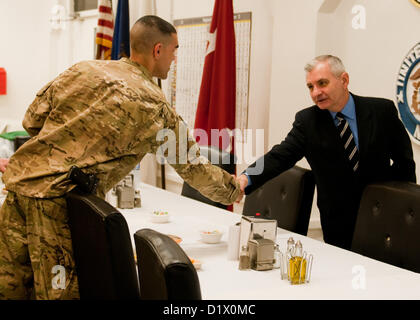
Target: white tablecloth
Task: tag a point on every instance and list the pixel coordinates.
(336, 273)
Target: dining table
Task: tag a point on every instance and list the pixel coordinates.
(336, 274)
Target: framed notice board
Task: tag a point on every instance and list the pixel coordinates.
(186, 72)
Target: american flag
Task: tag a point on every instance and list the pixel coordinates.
(105, 30)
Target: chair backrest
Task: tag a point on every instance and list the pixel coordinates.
(165, 271)
(222, 159)
(102, 248)
(388, 224)
(286, 198)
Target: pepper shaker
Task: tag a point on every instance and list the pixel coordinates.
(244, 259)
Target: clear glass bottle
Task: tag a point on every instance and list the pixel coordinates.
(289, 256)
(277, 257)
(298, 249)
(290, 245)
(244, 259)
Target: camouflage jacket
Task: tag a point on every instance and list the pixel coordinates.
(104, 116)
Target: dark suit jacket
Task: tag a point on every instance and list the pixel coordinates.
(382, 138)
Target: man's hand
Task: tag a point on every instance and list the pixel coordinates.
(3, 164)
(243, 182)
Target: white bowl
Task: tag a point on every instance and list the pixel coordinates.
(211, 236)
(196, 264)
(160, 217)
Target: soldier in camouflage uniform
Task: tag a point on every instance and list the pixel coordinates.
(103, 117)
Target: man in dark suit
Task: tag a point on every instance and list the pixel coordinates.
(376, 148)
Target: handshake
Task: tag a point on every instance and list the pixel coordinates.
(242, 180)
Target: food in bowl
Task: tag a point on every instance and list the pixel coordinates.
(160, 216)
(175, 238)
(212, 236)
(196, 263)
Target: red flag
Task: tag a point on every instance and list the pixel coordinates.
(105, 30)
(217, 100)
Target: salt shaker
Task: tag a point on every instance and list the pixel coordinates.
(277, 257)
(233, 241)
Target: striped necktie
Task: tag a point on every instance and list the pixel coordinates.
(350, 148)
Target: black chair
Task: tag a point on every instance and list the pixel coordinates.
(102, 248)
(388, 224)
(222, 159)
(286, 198)
(165, 271)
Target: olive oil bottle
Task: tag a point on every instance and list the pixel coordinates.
(297, 265)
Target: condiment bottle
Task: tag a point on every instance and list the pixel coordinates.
(244, 259)
(277, 257)
(289, 256)
(290, 245)
(297, 265)
(137, 199)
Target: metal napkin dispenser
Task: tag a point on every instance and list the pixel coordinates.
(255, 228)
(261, 253)
(125, 193)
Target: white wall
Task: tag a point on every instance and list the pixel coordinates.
(24, 44)
(33, 53)
(294, 43)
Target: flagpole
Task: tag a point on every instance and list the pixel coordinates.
(162, 166)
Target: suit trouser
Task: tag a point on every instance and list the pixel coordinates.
(36, 254)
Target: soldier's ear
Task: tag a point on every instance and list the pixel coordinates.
(156, 50)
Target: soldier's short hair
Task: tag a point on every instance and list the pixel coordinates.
(149, 30)
(335, 63)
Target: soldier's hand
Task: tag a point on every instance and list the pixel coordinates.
(243, 182)
(239, 198)
(3, 164)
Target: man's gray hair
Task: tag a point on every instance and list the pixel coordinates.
(336, 65)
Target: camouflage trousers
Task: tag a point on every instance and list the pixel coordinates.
(36, 254)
